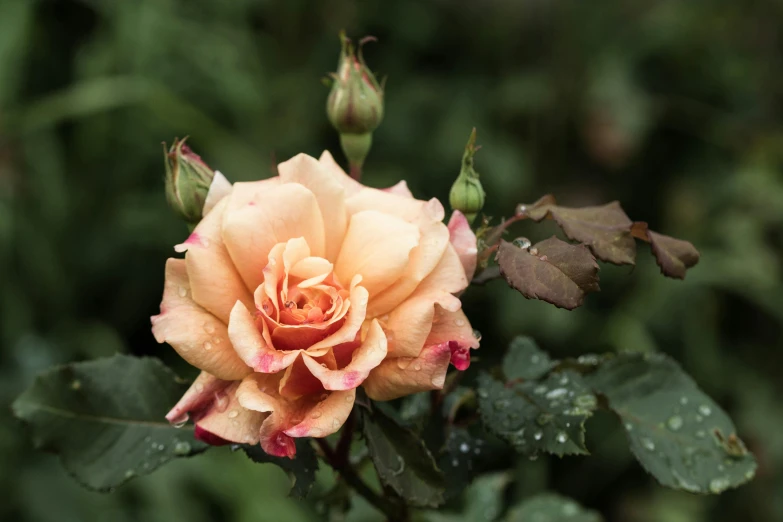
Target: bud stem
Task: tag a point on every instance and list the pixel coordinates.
(356, 147)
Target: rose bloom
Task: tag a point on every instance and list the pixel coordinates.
(297, 289)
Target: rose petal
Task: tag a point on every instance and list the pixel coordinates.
(402, 376)
(464, 242)
(251, 346)
(424, 258)
(366, 357)
(356, 314)
(218, 189)
(350, 185)
(227, 419)
(198, 336)
(407, 209)
(198, 399)
(329, 193)
(377, 247)
(400, 189)
(251, 230)
(409, 325)
(214, 282)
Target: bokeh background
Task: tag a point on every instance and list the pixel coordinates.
(672, 107)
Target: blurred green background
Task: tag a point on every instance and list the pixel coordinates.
(672, 107)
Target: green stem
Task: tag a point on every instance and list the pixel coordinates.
(394, 512)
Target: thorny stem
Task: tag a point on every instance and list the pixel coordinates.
(394, 511)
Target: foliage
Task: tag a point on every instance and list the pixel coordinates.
(669, 107)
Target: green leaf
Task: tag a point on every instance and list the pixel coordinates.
(457, 460)
(106, 418)
(549, 507)
(484, 498)
(677, 432)
(301, 470)
(402, 460)
(525, 360)
(533, 416)
(537, 278)
(606, 229)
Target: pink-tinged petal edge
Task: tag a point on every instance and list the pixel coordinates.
(280, 445)
(464, 242)
(209, 437)
(460, 355)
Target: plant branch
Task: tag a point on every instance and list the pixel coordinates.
(394, 512)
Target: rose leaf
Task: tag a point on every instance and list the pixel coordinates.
(106, 418)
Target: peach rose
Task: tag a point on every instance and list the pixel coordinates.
(297, 289)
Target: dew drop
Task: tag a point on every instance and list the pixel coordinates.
(130, 474)
(316, 415)
(483, 393)
(209, 328)
(76, 384)
(538, 435)
(521, 242)
(180, 421)
(561, 437)
(217, 340)
(336, 423)
(464, 448)
(182, 291)
(233, 414)
(417, 366)
(521, 209)
(221, 401)
(207, 345)
(460, 322)
(570, 509)
(683, 400)
(534, 251)
(705, 410)
(477, 334)
(540, 390)
(586, 401)
(701, 434)
(675, 423)
(647, 444)
(349, 398)
(455, 462)
(533, 458)
(720, 484)
(556, 393)
(628, 426)
(698, 418)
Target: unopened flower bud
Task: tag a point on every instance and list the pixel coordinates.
(355, 103)
(467, 195)
(188, 180)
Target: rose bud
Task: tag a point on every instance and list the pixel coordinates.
(355, 103)
(467, 195)
(190, 183)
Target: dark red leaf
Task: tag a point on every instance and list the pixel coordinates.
(535, 277)
(674, 256)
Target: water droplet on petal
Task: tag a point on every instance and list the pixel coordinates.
(683, 400)
(221, 401)
(464, 448)
(209, 328)
(316, 415)
(180, 421)
(561, 437)
(207, 345)
(720, 484)
(521, 242)
(232, 414)
(336, 423)
(533, 251)
(647, 444)
(477, 334)
(182, 291)
(538, 435)
(460, 322)
(705, 410)
(417, 366)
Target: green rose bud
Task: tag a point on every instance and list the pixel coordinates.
(467, 195)
(355, 103)
(188, 180)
